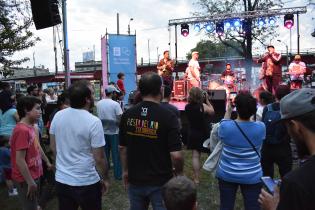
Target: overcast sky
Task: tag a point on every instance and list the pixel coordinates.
(88, 20)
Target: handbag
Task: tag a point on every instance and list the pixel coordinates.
(249, 141)
(212, 161)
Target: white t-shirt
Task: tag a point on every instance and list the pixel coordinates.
(299, 69)
(76, 132)
(194, 66)
(108, 111)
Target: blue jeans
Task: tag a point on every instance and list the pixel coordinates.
(228, 191)
(112, 142)
(141, 196)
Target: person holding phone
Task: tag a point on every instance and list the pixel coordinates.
(239, 164)
(197, 109)
(297, 190)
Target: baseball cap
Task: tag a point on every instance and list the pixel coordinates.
(297, 103)
(195, 52)
(111, 89)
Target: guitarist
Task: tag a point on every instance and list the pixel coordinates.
(165, 69)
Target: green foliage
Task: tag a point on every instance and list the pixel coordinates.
(208, 49)
(15, 21)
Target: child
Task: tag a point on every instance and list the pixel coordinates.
(26, 152)
(5, 165)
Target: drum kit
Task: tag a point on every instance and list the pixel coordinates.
(230, 83)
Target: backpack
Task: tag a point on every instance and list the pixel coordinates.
(275, 132)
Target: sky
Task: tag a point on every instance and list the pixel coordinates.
(88, 21)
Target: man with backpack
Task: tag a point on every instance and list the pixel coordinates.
(276, 147)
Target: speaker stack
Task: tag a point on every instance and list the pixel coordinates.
(218, 101)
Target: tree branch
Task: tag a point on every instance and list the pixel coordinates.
(231, 46)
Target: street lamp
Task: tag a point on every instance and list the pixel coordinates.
(131, 19)
(287, 49)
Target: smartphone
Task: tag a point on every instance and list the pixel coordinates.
(232, 96)
(269, 183)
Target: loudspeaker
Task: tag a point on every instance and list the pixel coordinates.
(179, 88)
(45, 13)
(218, 101)
(217, 94)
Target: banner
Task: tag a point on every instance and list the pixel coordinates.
(104, 63)
(122, 58)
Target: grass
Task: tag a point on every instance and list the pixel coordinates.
(116, 199)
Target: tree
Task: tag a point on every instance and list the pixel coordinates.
(253, 32)
(209, 49)
(15, 21)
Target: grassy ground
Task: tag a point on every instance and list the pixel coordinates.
(116, 199)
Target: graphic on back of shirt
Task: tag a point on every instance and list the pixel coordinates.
(142, 127)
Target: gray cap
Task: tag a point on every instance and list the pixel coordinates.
(111, 89)
(297, 103)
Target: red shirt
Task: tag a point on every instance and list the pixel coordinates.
(121, 86)
(24, 138)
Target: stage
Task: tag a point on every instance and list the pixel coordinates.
(179, 104)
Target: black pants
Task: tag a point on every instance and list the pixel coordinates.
(279, 154)
(87, 197)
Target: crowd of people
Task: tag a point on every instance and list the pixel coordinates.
(143, 145)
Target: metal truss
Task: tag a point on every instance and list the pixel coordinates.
(241, 15)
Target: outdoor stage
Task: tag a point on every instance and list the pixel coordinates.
(179, 104)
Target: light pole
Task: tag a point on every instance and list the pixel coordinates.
(131, 19)
(149, 50)
(287, 49)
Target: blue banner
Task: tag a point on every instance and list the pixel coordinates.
(122, 58)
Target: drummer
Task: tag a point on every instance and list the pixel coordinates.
(228, 72)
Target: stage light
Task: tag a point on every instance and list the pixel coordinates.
(219, 27)
(288, 21)
(197, 27)
(237, 23)
(209, 27)
(272, 21)
(184, 29)
(227, 25)
(261, 22)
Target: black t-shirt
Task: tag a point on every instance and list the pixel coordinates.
(150, 132)
(171, 108)
(297, 191)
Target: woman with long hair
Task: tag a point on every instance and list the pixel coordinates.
(197, 109)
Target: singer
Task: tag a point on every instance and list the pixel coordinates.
(271, 71)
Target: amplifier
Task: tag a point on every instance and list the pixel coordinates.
(179, 88)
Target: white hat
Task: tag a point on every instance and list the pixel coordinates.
(195, 52)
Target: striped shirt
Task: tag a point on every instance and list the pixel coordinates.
(239, 163)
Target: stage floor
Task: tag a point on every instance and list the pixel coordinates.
(179, 104)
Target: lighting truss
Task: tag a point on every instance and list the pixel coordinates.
(241, 15)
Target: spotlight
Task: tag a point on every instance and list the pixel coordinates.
(184, 29)
(237, 23)
(272, 21)
(219, 27)
(288, 21)
(209, 27)
(197, 27)
(227, 25)
(261, 22)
